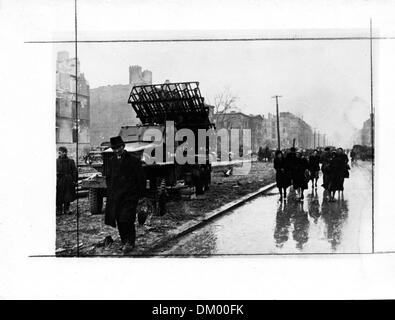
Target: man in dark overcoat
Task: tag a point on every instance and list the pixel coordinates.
(290, 160)
(125, 185)
(325, 168)
(338, 171)
(66, 179)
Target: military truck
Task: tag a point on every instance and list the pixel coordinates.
(363, 152)
(156, 106)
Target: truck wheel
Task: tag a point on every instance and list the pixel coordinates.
(207, 181)
(95, 201)
(200, 185)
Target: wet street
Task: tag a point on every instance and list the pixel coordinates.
(267, 226)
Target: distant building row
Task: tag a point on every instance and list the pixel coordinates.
(103, 110)
(264, 130)
(364, 135)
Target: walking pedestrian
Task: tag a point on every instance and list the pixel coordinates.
(325, 160)
(66, 179)
(300, 175)
(314, 168)
(282, 175)
(290, 157)
(338, 172)
(125, 185)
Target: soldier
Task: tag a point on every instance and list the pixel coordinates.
(125, 184)
(66, 179)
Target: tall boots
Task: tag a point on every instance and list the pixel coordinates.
(127, 232)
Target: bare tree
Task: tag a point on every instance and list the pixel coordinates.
(224, 102)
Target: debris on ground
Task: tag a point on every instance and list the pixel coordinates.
(92, 230)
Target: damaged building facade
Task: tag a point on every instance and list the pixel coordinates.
(110, 109)
(291, 127)
(69, 128)
(366, 133)
(239, 120)
(264, 129)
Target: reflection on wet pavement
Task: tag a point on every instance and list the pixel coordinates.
(315, 225)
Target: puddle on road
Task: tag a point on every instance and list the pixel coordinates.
(266, 226)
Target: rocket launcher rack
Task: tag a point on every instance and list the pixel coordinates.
(179, 102)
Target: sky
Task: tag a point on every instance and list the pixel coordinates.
(326, 82)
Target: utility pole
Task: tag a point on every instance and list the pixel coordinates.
(278, 122)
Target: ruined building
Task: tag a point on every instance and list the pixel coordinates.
(69, 129)
(110, 109)
(291, 127)
(264, 130)
(366, 133)
(239, 120)
(139, 77)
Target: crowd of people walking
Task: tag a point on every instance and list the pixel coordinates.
(297, 168)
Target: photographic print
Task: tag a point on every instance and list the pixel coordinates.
(197, 150)
(236, 146)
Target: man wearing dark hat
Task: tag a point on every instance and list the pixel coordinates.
(125, 184)
(66, 179)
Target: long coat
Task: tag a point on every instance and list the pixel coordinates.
(290, 160)
(125, 184)
(338, 170)
(299, 177)
(66, 178)
(314, 166)
(325, 160)
(325, 168)
(314, 163)
(282, 173)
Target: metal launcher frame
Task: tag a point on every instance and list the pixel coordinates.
(179, 102)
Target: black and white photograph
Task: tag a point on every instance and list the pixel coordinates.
(287, 166)
(209, 131)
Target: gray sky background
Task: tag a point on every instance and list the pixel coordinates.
(325, 82)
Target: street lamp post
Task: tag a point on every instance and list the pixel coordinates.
(278, 122)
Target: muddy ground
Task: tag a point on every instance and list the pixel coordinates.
(92, 231)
